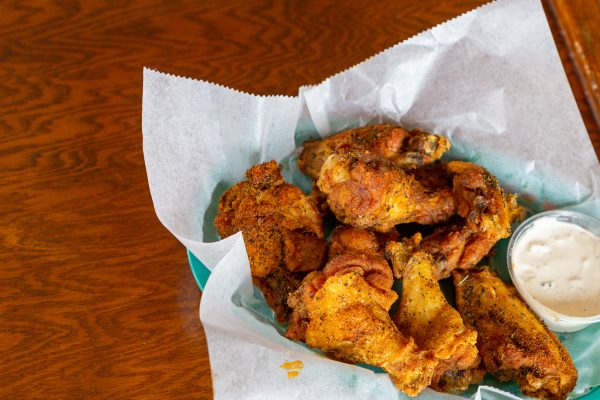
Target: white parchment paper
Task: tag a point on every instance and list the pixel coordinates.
(490, 80)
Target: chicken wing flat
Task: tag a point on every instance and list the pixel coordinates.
(401, 147)
(512, 342)
(348, 319)
(486, 212)
(283, 232)
(425, 315)
(367, 191)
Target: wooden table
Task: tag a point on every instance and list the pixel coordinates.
(96, 297)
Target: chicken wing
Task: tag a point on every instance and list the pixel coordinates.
(367, 191)
(348, 239)
(425, 315)
(512, 342)
(486, 216)
(350, 250)
(348, 318)
(401, 147)
(283, 232)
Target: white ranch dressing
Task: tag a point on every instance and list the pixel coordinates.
(558, 264)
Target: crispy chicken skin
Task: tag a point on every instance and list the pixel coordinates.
(344, 311)
(512, 342)
(348, 319)
(458, 380)
(282, 230)
(425, 315)
(488, 213)
(362, 252)
(350, 250)
(319, 200)
(401, 147)
(486, 216)
(348, 239)
(399, 252)
(480, 199)
(367, 191)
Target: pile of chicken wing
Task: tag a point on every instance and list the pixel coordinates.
(336, 296)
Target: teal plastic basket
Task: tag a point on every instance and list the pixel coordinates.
(199, 270)
(201, 274)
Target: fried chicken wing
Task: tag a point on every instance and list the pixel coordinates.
(319, 200)
(344, 311)
(401, 147)
(486, 216)
(488, 213)
(399, 252)
(283, 232)
(425, 315)
(350, 250)
(348, 319)
(348, 239)
(480, 199)
(513, 343)
(362, 252)
(458, 380)
(367, 191)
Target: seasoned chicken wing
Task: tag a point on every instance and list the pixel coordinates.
(425, 315)
(344, 311)
(348, 239)
(283, 232)
(488, 213)
(359, 251)
(458, 380)
(367, 191)
(486, 216)
(512, 342)
(348, 318)
(350, 250)
(401, 147)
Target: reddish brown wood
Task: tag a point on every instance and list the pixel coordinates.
(579, 22)
(96, 298)
(575, 78)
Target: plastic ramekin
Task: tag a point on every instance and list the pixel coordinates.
(554, 320)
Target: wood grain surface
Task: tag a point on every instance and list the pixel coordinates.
(579, 22)
(96, 297)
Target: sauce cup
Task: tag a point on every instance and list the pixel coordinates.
(555, 320)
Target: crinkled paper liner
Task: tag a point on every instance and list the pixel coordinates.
(490, 80)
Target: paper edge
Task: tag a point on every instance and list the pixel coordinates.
(345, 70)
(308, 86)
(146, 69)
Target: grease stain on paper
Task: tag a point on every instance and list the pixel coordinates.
(293, 368)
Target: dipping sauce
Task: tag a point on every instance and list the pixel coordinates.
(558, 264)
